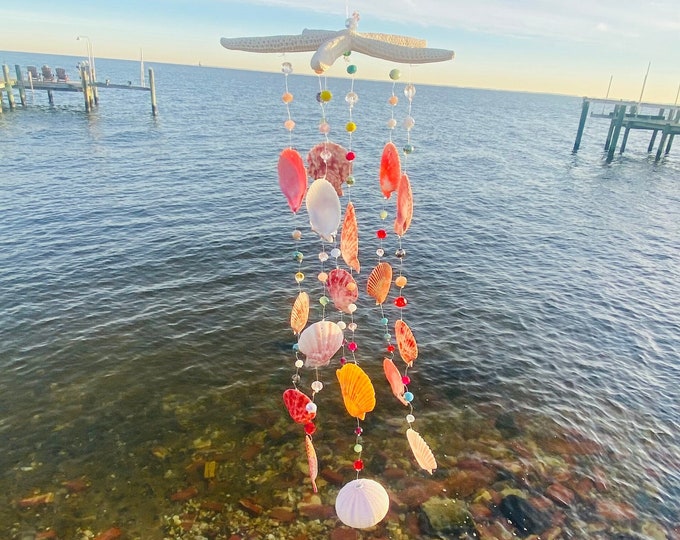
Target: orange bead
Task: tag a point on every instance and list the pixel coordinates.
(287, 97)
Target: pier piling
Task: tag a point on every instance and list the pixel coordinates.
(581, 125)
(152, 88)
(20, 84)
(8, 87)
(617, 122)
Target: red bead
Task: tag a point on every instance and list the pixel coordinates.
(358, 465)
(352, 346)
(358, 430)
(343, 361)
(406, 379)
(400, 302)
(381, 233)
(390, 348)
(310, 428)
(350, 156)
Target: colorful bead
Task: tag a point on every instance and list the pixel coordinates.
(351, 98)
(390, 348)
(408, 396)
(387, 336)
(400, 253)
(289, 125)
(295, 378)
(409, 122)
(352, 326)
(342, 325)
(400, 302)
(391, 123)
(395, 74)
(352, 346)
(324, 300)
(358, 465)
(358, 448)
(323, 256)
(324, 127)
(409, 149)
(358, 430)
(384, 321)
(298, 256)
(299, 363)
(400, 282)
(335, 252)
(380, 252)
(381, 233)
(351, 308)
(406, 379)
(322, 277)
(311, 407)
(310, 428)
(299, 277)
(297, 234)
(296, 347)
(350, 156)
(317, 386)
(326, 96)
(287, 68)
(410, 418)
(343, 360)
(350, 127)
(383, 214)
(351, 69)
(409, 91)
(287, 97)
(393, 100)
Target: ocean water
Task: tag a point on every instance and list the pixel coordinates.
(146, 279)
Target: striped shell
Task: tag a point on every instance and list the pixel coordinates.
(404, 206)
(300, 312)
(296, 403)
(421, 451)
(312, 462)
(342, 289)
(362, 503)
(335, 168)
(394, 378)
(357, 390)
(319, 342)
(390, 170)
(379, 282)
(406, 342)
(349, 239)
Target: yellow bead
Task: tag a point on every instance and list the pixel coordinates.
(351, 126)
(326, 96)
(299, 277)
(400, 282)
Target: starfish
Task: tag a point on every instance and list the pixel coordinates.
(330, 45)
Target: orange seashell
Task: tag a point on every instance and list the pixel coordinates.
(406, 342)
(349, 239)
(296, 402)
(300, 312)
(292, 178)
(421, 451)
(357, 390)
(394, 378)
(390, 170)
(379, 282)
(312, 462)
(404, 206)
(342, 289)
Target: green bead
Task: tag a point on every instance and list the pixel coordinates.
(358, 448)
(351, 69)
(395, 74)
(324, 300)
(350, 180)
(409, 148)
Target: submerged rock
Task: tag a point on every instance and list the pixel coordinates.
(440, 516)
(505, 423)
(523, 515)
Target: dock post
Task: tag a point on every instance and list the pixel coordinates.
(8, 87)
(617, 122)
(152, 88)
(671, 136)
(86, 88)
(659, 151)
(50, 97)
(20, 84)
(625, 139)
(608, 140)
(581, 124)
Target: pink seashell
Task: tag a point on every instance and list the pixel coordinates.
(312, 462)
(404, 206)
(394, 378)
(390, 170)
(319, 342)
(349, 239)
(406, 342)
(335, 169)
(292, 178)
(342, 289)
(421, 451)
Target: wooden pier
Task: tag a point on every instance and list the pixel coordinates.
(85, 84)
(632, 115)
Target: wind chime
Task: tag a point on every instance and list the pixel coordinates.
(362, 502)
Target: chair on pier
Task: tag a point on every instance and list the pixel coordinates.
(61, 75)
(47, 74)
(33, 72)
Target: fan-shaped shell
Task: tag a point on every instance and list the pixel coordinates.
(379, 282)
(406, 342)
(312, 461)
(421, 451)
(394, 378)
(404, 206)
(342, 289)
(335, 168)
(319, 342)
(357, 390)
(362, 503)
(292, 177)
(390, 170)
(300, 312)
(296, 403)
(349, 239)
(323, 207)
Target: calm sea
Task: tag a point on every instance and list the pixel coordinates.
(146, 278)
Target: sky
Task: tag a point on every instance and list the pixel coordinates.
(566, 47)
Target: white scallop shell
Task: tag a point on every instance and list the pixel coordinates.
(362, 503)
(421, 451)
(319, 342)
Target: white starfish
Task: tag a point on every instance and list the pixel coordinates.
(330, 45)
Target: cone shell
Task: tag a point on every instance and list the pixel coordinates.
(379, 282)
(342, 289)
(349, 239)
(300, 312)
(357, 390)
(404, 206)
(312, 462)
(421, 451)
(319, 342)
(296, 403)
(362, 503)
(406, 342)
(394, 378)
(390, 170)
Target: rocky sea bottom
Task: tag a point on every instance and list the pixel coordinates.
(219, 469)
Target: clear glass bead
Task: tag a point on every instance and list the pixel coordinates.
(351, 98)
(409, 91)
(317, 386)
(287, 68)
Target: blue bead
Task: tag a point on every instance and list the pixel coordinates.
(384, 321)
(296, 347)
(408, 396)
